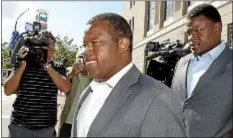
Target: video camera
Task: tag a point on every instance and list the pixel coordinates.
(36, 43)
(33, 40)
(155, 46)
(160, 59)
(164, 45)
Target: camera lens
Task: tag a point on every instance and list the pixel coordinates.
(150, 46)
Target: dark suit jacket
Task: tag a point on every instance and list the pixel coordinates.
(208, 111)
(137, 106)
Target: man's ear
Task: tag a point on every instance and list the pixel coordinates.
(218, 27)
(123, 45)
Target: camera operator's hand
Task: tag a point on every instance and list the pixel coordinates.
(23, 51)
(76, 68)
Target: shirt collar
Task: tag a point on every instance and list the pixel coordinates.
(212, 54)
(114, 79)
(93, 85)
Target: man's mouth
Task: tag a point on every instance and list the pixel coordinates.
(195, 45)
(90, 62)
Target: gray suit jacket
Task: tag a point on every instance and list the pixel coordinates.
(208, 111)
(137, 106)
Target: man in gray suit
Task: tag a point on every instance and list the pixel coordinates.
(121, 101)
(203, 79)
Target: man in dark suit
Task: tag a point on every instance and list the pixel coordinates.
(203, 79)
(121, 101)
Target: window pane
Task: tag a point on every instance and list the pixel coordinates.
(152, 4)
(152, 19)
(151, 15)
(169, 8)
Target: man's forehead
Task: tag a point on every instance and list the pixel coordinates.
(200, 20)
(190, 21)
(87, 28)
(94, 30)
(94, 26)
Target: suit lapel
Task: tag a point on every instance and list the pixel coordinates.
(215, 68)
(183, 78)
(83, 97)
(116, 98)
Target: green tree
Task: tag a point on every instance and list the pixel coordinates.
(5, 62)
(65, 50)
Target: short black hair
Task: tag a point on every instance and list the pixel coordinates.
(118, 27)
(207, 10)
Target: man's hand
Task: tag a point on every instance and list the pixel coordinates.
(23, 51)
(76, 68)
(46, 65)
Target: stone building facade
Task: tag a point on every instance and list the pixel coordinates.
(161, 20)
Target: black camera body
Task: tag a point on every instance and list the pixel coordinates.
(37, 49)
(161, 58)
(36, 44)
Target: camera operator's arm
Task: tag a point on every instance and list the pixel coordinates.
(62, 83)
(12, 83)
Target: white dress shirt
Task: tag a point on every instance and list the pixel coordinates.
(199, 65)
(95, 100)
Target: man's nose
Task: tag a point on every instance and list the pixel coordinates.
(88, 51)
(192, 38)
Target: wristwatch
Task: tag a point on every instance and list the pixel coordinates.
(47, 66)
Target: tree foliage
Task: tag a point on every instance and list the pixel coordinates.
(65, 50)
(5, 58)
